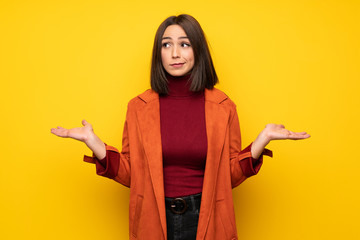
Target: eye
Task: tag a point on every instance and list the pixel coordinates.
(166, 45)
(184, 44)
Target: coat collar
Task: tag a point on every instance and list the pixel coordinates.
(213, 95)
(216, 119)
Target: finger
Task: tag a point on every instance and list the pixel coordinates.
(55, 130)
(300, 136)
(84, 122)
(300, 133)
(58, 132)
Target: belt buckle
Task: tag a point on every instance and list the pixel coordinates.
(173, 205)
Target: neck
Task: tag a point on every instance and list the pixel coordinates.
(179, 86)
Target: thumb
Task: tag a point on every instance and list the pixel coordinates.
(84, 122)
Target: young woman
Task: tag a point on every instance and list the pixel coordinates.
(181, 152)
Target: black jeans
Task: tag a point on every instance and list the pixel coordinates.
(182, 226)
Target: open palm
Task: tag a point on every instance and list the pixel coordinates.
(278, 131)
(80, 133)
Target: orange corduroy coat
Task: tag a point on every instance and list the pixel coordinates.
(141, 168)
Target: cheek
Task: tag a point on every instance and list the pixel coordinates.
(190, 55)
(163, 57)
(191, 58)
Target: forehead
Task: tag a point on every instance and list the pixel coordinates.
(174, 32)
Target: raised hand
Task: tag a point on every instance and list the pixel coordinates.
(274, 132)
(278, 132)
(80, 133)
(84, 134)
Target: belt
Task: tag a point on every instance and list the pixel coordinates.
(180, 205)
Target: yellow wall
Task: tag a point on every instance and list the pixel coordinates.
(290, 62)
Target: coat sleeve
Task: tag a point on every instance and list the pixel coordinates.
(115, 165)
(242, 164)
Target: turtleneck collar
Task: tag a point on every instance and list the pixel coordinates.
(179, 86)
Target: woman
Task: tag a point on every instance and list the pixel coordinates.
(181, 144)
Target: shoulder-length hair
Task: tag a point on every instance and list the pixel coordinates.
(203, 74)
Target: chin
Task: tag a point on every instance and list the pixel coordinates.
(178, 73)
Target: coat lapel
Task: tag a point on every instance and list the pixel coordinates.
(216, 118)
(149, 123)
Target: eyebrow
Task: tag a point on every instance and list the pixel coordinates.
(178, 38)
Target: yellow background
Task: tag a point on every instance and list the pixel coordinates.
(290, 62)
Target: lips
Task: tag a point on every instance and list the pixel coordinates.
(177, 65)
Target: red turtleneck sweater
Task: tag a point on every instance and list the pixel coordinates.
(183, 136)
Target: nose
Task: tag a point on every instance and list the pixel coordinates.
(175, 52)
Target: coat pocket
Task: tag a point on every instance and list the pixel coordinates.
(138, 207)
(225, 219)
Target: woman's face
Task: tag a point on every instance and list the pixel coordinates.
(176, 52)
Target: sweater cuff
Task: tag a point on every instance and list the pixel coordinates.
(109, 165)
(249, 165)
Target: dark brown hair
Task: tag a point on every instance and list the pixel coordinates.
(203, 74)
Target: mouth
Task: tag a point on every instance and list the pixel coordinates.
(177, 65)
